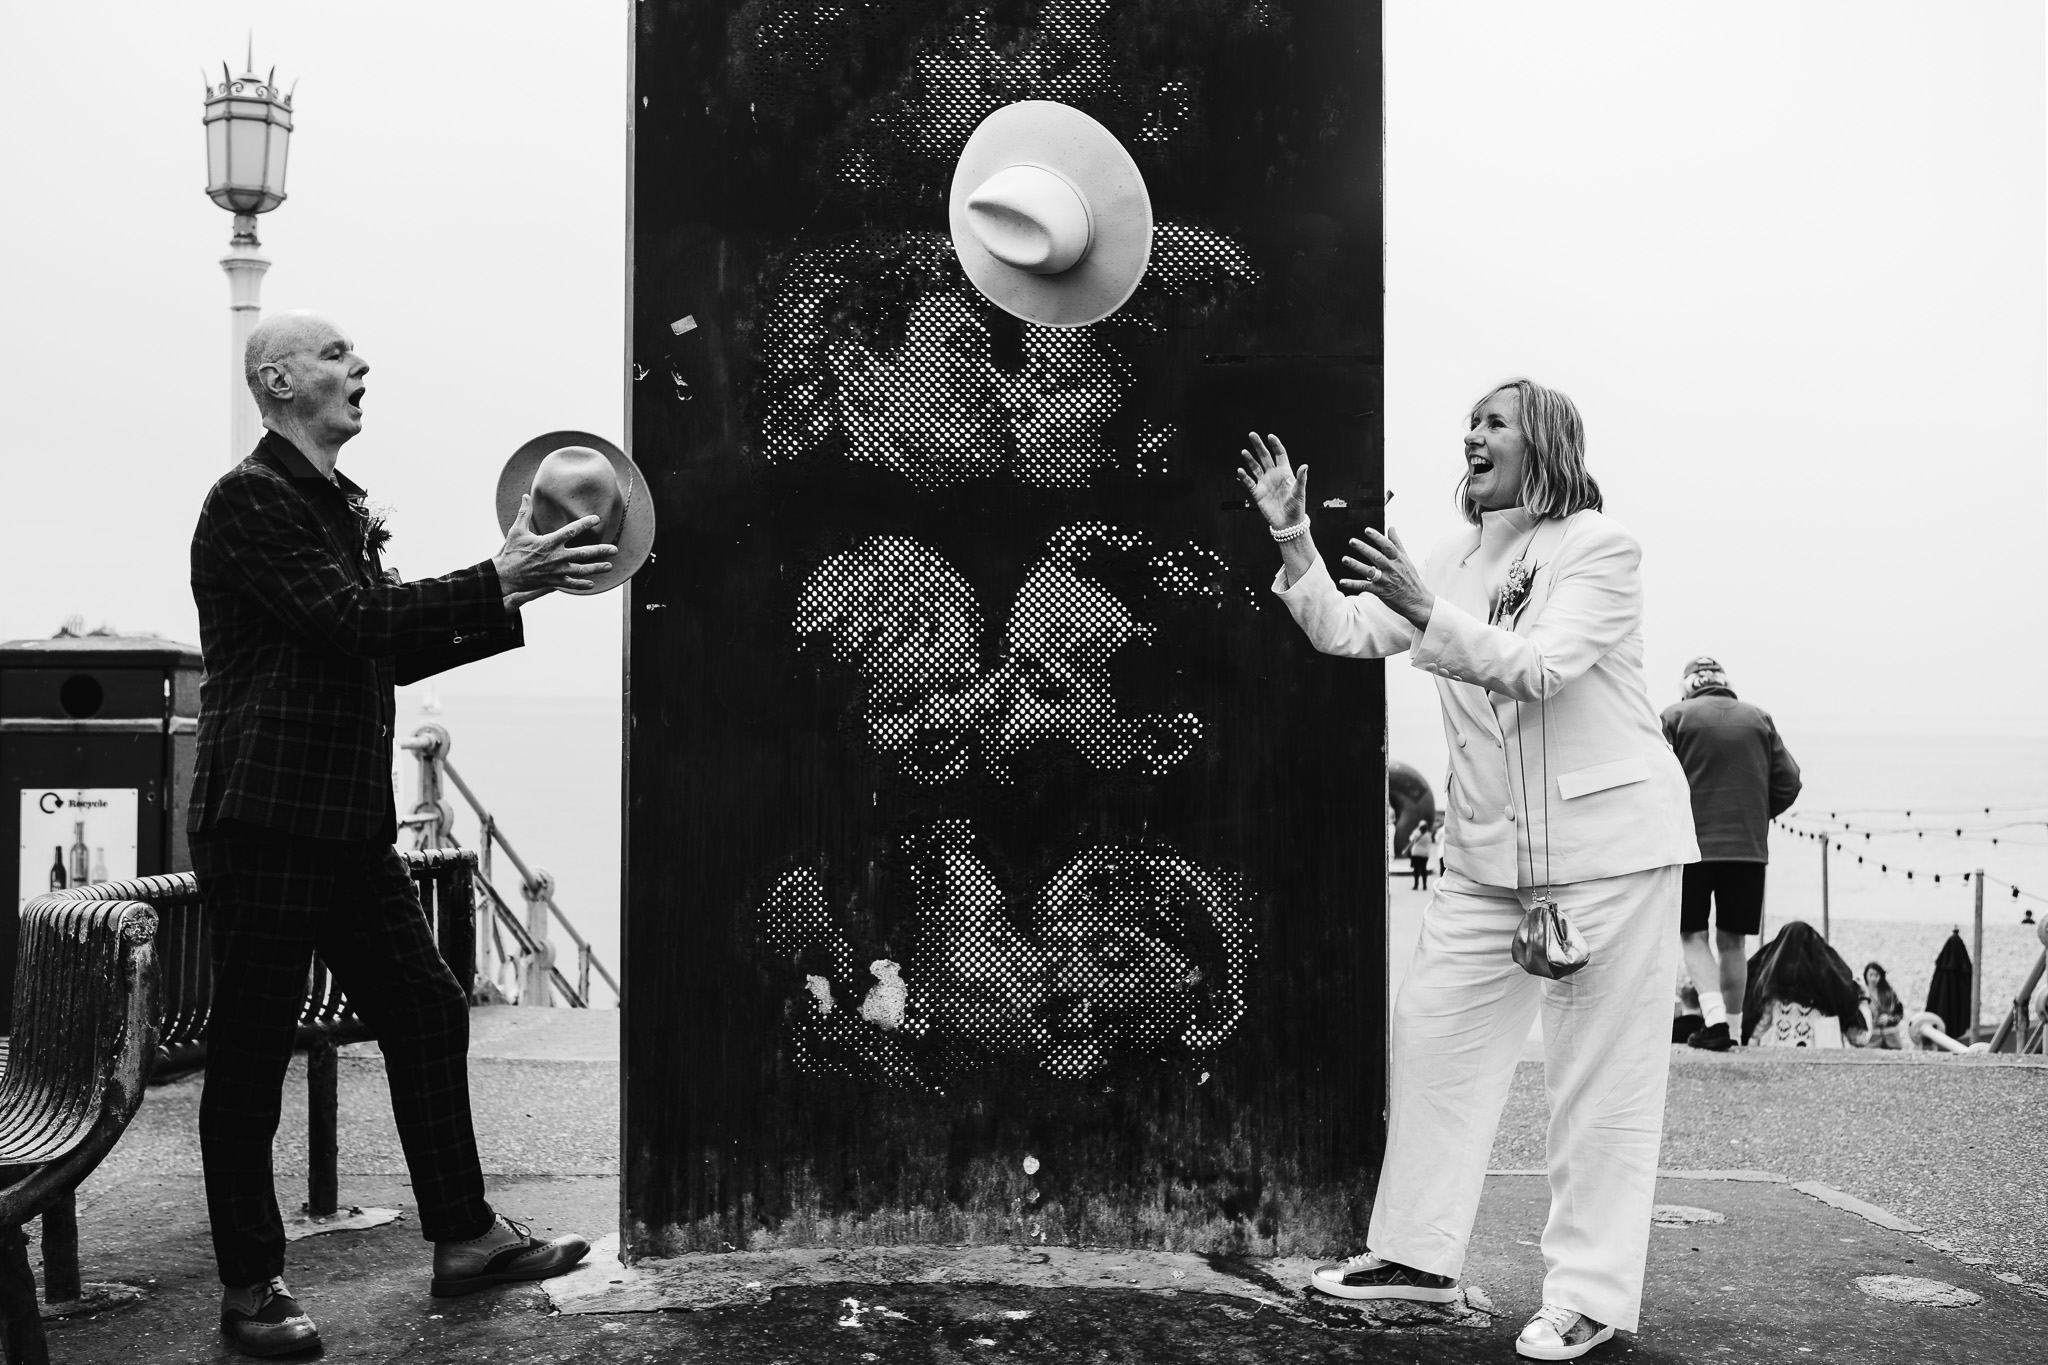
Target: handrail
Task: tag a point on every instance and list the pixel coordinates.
(433, 819)
(526, 876)
(529, 944)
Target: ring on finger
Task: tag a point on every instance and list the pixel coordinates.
(1372, 573)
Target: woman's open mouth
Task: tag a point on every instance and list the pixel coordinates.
(1479, 463)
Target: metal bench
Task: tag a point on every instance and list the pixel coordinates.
(85, 1021)
(446, 881)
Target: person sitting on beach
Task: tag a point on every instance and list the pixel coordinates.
(1798, 967)
(1882, 1008)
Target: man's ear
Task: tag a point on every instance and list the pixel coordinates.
(275, 381)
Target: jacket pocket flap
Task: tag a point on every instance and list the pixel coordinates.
(1601, 776)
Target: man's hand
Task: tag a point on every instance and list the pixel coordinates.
(531, 564)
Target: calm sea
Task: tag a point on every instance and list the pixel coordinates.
(1933, 805)
(548, 768)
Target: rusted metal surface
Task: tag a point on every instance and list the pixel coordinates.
(74, 1021)
(86, 1004)
(1002, 864)
(21, 1324)
(186, 967)
(61, 1282)
(323, 1148)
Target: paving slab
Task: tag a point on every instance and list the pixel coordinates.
(1781, 1278)
(1753, 1262)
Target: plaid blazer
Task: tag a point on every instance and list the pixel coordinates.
(304, 639)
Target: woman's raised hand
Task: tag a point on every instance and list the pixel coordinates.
(1276, 486)
(1381, 565)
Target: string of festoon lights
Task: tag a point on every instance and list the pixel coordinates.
(1845, 835)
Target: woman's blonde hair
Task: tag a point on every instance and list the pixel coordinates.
(1555, 482)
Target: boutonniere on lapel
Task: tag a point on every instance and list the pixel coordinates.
(372, 535)
(1514, 594)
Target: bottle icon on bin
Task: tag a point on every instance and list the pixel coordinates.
(81, 857)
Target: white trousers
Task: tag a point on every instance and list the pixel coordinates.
(1460, 1020)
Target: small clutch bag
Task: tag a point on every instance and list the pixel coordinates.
(1546, 944)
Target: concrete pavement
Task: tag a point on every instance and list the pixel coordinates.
(1758, 1271)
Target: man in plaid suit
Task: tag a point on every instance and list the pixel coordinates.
(292, 820)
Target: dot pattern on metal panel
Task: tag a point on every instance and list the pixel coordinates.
(902, 138)
(875, 348)
(945, 702)
(876, 352)
(1124, 954)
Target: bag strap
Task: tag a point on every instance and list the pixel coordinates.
(1522, 838)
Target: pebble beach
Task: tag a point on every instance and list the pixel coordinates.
(1907, 951)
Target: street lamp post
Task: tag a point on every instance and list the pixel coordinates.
(248, 132)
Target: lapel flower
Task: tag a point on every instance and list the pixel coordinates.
(1514, 594)
(375, 535)
(372, 535)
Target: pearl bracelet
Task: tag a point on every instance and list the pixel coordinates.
(1283, 534)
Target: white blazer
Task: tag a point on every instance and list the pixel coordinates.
(1614, 799)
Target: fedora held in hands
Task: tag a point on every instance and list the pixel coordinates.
(1050, 216)
(573, 474)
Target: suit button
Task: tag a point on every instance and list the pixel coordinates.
(1511, 813)
(1471, 814)
(1461, 739)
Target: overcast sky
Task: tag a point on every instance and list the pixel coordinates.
(1787, 255)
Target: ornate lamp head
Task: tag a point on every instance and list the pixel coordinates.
(248, 131)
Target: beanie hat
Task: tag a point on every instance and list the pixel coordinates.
(1703, 675)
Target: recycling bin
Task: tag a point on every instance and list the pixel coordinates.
(98, 735)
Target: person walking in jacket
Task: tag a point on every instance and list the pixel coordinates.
(292, 821)
(1561, 785)
(1742, 777)
(1421, 848)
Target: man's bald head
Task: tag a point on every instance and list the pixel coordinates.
(278, 341)
(307, 380)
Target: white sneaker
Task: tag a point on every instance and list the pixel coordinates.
(1366, 1276)
(1559, 1334)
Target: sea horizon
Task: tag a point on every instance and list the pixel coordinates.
(550, 767)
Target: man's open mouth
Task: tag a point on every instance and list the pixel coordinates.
(355, 400)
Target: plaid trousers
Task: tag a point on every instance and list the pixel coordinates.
(272, 901)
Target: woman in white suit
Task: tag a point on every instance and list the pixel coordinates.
(1560, 781)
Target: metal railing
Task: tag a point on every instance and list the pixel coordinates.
(525, 971)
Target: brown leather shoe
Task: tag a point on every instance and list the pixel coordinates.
(505, 1254)
(264, 1319)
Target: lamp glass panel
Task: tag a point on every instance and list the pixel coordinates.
(245, 153)
(216, 154)
(273, 171)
